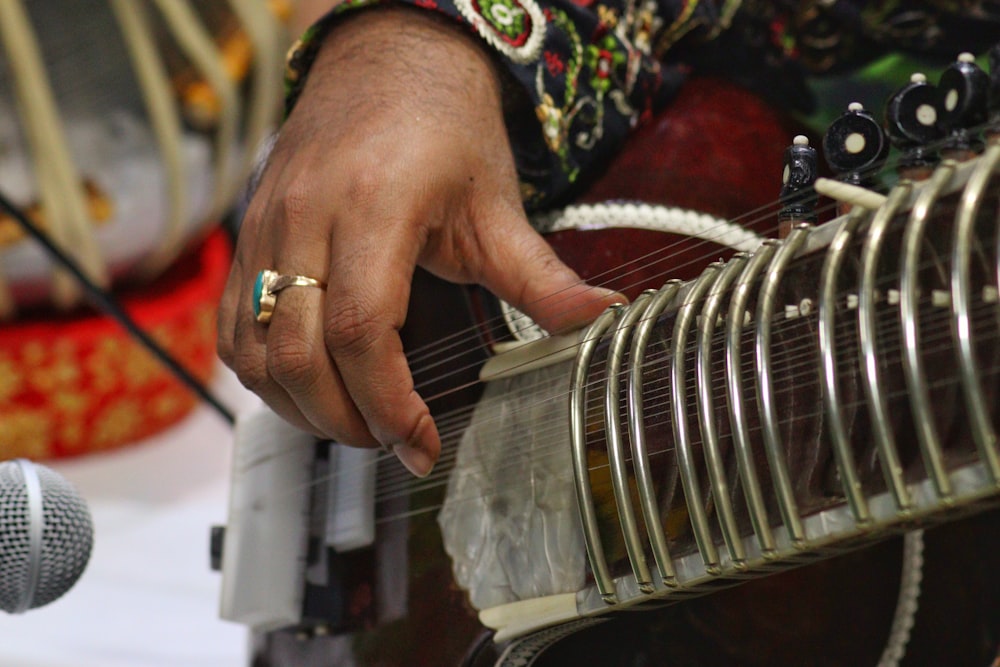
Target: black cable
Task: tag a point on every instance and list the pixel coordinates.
(107, 303)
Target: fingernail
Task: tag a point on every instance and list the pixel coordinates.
(604, 292)
(416, 460)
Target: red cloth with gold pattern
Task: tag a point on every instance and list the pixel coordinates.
(73, 384)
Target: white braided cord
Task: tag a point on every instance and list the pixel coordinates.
(909, 598)
(639, 215)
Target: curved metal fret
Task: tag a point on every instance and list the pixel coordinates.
(961, 297)
(853, 257)
(913, 365)
(832, 399)
(682, 442)
(616, 449)
(706, 410)
(578, 440)
(996, 142)
(875, 392)
(637, 432)
(773, 447)
(734, 395)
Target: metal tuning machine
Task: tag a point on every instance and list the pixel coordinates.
(855, 146)
(911, 122)
(798, 196)
(963, 108)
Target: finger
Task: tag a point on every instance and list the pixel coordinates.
(226, 318)
(367, 296)
(521, 268)
(247, 353)
(296, 356)
(298, 361)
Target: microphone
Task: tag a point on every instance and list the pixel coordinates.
(46, 535)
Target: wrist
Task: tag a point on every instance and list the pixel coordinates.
(393, 48)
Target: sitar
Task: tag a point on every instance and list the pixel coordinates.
(713, 473)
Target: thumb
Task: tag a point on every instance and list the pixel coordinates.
(523, 270)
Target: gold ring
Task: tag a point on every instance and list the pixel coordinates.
(267, 286)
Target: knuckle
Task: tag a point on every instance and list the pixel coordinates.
(252, 226)
(364, 186)
(549, 263)
(290, 362)
(250, 370)
(350, 327)
(544, 262)
(244, 358)
(298, 200)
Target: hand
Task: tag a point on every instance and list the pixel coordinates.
(396, 155)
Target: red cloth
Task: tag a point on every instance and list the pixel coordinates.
(74, 384)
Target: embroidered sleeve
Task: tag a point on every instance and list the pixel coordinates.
(591, 70)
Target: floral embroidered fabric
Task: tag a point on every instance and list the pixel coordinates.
(594, 69)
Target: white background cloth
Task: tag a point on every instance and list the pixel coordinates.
(148, 597)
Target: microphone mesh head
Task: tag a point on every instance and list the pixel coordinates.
(67, 538)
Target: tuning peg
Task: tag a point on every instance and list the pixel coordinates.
(911, 117)
(963, 105)
(854, 144)
(797, 196)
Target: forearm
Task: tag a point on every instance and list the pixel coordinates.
(398, 57)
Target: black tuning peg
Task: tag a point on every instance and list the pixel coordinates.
(911, 116)
(963, 104)
(854, 144)
(798, 198)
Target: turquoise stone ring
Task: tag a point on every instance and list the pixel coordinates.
(258, 291)
(267, 286)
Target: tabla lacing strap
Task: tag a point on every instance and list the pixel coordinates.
(165, 122)
(199, 46)
(60, 189)
(262, 29)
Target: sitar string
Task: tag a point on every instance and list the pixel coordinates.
(694, 441)
(445, 435)
(806, 361)
(444, 419)
(795, 368)
(422, 384)
(888, 279)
